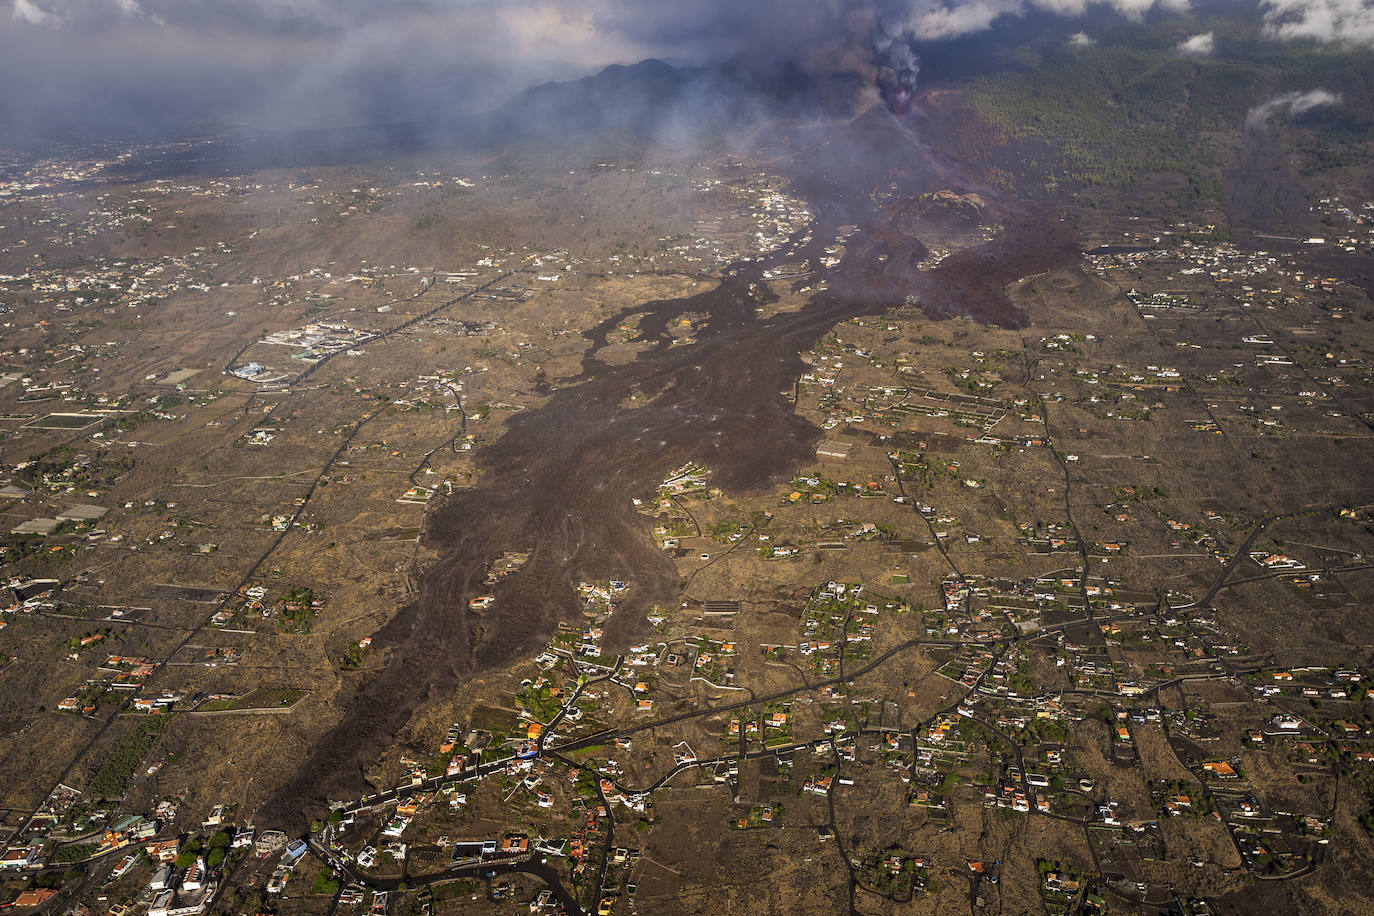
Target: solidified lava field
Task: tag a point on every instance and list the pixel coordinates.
(562, 477)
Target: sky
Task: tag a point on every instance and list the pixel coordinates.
(140, 66)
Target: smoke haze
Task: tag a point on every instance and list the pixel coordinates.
(148, 68)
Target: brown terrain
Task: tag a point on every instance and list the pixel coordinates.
(562, 476)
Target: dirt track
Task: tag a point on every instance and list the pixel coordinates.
(562, 477)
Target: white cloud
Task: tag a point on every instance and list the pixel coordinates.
(933, 19)
(79, 12)
(1346, 22)
(1135, 10)
(1290, 104)
(33, 14)
(131, 10)
(1197, 46)
(1081, 40)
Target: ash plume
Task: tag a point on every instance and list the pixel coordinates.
(898, 65)
(1289, 104)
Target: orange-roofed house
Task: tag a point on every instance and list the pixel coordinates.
(34, 897)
